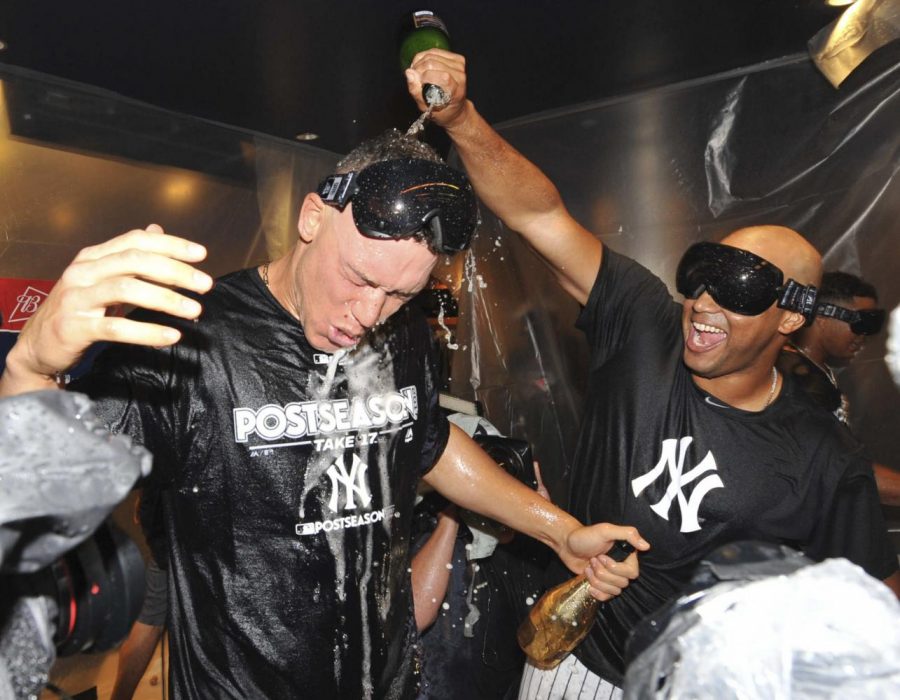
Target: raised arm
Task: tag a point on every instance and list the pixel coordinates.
(507, 182)
(138, 268)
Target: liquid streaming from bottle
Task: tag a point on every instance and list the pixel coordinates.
(434, 96)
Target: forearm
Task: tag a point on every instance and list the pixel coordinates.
(888, 482)
(18, 379)
(893, 582)
(430, 572)
(512, 187)
(527, 201)
(468, 477)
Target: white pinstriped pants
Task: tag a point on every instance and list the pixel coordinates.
(571, 680)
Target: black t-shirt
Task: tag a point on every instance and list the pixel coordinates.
(691, 473)
(289, 495)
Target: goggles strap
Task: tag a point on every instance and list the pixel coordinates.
(337, 189)
(799, 298)
(837, 312)
(437, 235)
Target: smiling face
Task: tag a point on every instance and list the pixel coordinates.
(344, 283)
(724, 346)
(840, 344)
(718, 342)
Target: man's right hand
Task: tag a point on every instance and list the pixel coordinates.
(139, 268)
(506, 182)
(446, 70)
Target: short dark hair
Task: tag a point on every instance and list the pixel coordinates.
(387, 146)
(842, 286)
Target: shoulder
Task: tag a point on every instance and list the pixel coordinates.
(411, 321)
(239, 287)
(821, 437)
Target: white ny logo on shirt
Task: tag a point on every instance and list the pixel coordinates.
(689, 506)
(354, 483)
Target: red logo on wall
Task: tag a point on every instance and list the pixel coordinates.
(19, 299)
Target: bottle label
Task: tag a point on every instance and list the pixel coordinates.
(426, 18)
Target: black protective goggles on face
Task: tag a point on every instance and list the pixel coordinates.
(862, 322)
(405, 197)
(740, 281)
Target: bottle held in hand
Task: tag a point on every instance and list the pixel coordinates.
(428, 32)
(562, 617)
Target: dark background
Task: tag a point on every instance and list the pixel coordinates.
(331, 67)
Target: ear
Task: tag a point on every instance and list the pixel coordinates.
(312, 217)
(791, 321)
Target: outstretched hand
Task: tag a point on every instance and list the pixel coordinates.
(139, 268)
(448, 71)
(585, 553)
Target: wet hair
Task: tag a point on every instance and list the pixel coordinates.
(842, 286)
(387, 146)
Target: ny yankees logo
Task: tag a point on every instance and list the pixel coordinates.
(689, 506)
(354, 483)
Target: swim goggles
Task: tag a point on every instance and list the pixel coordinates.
(408, 196)
(740, 281)
(862, 322)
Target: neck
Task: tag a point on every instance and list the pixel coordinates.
(277, 285)
(810, 348)
(748, 392)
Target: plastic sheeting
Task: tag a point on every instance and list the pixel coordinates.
(654, 172)
(777, 636)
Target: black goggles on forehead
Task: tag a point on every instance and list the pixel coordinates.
(740, 281)
(862, 322)
(405, 197)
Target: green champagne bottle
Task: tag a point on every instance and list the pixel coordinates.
(428, 32)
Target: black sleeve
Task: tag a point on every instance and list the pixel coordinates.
(854, 526)
(436, 424)
(627, 303)
(135, 390)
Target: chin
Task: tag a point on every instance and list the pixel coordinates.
(699, 368)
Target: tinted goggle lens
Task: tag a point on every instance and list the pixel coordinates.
(403, 197)
(738, 280)
(870, 322)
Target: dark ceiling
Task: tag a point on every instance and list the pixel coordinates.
(330, 67)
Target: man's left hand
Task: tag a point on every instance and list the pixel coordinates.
(585, 552)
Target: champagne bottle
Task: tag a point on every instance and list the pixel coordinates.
(562, 617)
(428, 32)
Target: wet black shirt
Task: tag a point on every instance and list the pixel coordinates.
(288, 495)
(691, 473)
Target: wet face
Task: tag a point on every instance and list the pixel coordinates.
(841, 344)
(718, 342)
(348, 283)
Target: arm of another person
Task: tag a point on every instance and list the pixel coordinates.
(138, 268)
(430, 575)
(508, 183)
(467, 476)
(888, 481)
